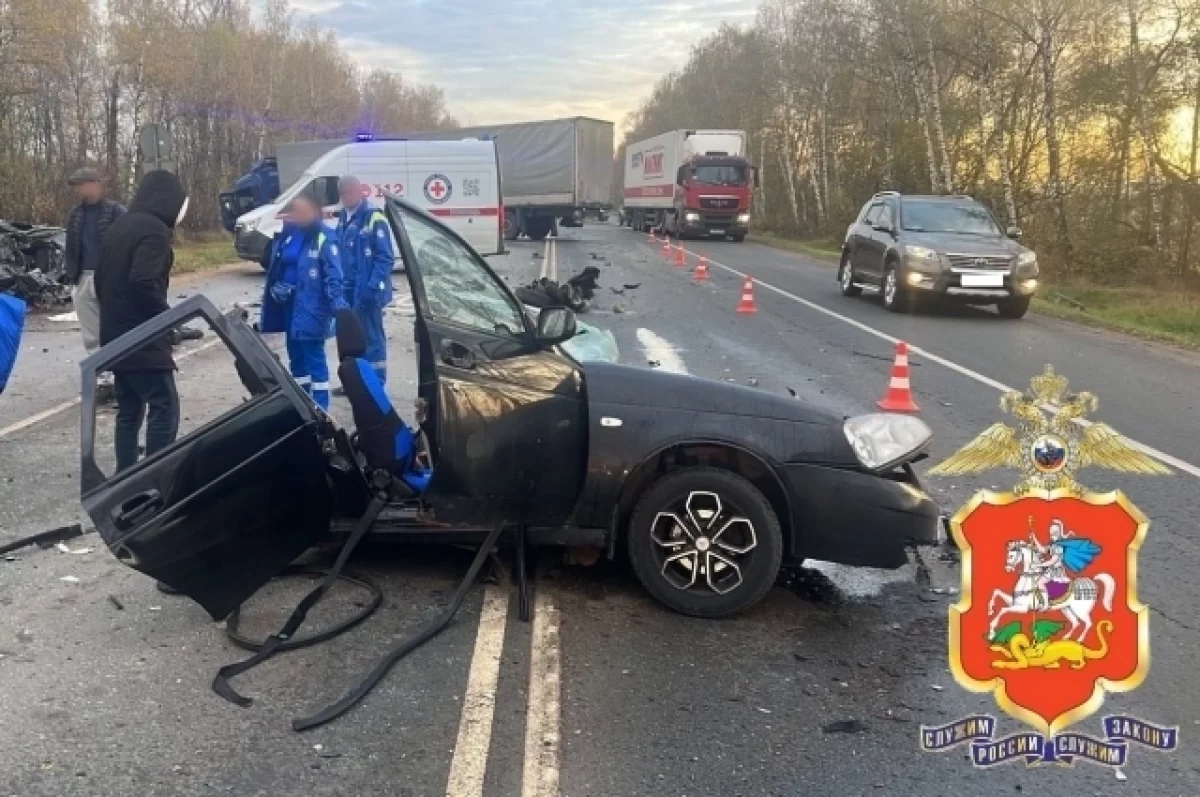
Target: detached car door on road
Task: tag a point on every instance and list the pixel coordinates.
(508, 411)
(226, 507)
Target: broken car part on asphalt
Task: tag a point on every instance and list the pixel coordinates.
(32, 264)
(712, 486)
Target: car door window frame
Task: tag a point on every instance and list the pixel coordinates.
(247, 349)
(869, 217)
(525, 337)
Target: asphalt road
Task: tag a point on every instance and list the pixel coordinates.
(605, 693)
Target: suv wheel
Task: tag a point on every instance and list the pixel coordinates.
(1016, 307)
(895, 296)
(705, 542)
(846, 277)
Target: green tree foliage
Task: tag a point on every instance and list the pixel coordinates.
(78, 78)
(1072, 119)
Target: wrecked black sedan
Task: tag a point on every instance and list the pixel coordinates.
(709, 487)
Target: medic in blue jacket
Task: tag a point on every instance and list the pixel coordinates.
(367, 260)
(303, 291)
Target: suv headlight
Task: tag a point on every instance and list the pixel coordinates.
(1027, 262)
(248, 226)
(883, 440)
(691, 216)
(922, 252)
(743, 218)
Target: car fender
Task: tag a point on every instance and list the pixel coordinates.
(755, 466)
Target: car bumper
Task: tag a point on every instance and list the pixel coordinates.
(715, 225)
(856, 518)
(950, 284)
(250, 245)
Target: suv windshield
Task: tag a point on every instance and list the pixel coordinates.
(721, 175)
(959, 217)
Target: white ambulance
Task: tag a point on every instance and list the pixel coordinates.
(458, 181)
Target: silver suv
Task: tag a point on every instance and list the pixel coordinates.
(912, 246)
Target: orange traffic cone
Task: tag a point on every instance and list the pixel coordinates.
(746, 305)
(899, 396)
(650, 236)
(680, 257)
(666, 247)
(701, 272)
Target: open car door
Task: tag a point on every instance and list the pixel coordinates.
(507, 417)
(232, 502)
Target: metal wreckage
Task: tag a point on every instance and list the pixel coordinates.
(32, 264)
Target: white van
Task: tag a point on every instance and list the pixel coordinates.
(458, 181)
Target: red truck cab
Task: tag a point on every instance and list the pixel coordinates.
(713, 196)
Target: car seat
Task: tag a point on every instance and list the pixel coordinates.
(383, 438)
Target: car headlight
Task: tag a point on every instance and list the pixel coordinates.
(882, 440)
(248, 226)
(743, 218)
(691, 217)
(922, 252)
(1027, 262)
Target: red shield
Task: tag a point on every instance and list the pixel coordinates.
(1049, 617)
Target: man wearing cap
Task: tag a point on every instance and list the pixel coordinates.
(87, 224)
(367, 258)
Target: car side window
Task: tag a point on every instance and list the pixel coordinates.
(886, 217)
(458, 288)
(325, 189)
(872, 215)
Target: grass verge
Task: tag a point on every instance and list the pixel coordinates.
(823, 249)
(198, 253)
(1172, 316)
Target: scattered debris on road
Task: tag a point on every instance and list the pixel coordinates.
(844, 726)
(116, 602)
(44, 539)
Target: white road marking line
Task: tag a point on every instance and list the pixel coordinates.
(545, 259)
(66, 405)
(469, 764)
(661, 350)
(1175, 462)
(540, 776)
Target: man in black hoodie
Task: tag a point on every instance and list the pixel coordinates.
(135, 267)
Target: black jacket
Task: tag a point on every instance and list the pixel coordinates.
(73, 255)
(135, 268)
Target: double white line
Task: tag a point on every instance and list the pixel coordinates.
(540, 774)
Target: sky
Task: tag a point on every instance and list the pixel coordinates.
(518, 60)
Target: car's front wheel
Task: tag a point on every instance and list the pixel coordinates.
(1016, 307)
(846, 277)
(895, 296)
(705, 542)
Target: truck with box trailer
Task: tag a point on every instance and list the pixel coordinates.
(690, 183)
(553, 172)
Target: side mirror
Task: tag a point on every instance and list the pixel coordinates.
(883, 228)
(554, 325)
(1014, 233)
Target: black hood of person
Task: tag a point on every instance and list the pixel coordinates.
(161, 195)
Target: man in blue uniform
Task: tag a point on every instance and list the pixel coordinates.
(303, 292)
(367, 261)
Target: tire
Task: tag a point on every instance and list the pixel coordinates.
(512, 225)
(846, 277)
(737, 239)
(538, 228)
(895, 300)
(1015, 307)
(754, 546)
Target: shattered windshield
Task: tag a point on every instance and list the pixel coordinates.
(457, 286)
